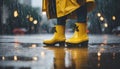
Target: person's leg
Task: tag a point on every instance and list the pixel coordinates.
(59, 34)
(80, 35)
(61, 20)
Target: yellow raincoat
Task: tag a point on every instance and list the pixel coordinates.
(65, 7)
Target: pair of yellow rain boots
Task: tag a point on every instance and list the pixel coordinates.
(79, 37)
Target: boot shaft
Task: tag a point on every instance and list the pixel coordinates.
(81, 28)
(59, 31)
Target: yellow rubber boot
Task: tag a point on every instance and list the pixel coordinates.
(80, 35)
(58, 37)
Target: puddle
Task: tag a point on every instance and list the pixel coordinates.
(104, 60)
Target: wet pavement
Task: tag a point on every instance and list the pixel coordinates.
(28, 52)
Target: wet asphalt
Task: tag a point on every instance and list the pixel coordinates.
(28, 52)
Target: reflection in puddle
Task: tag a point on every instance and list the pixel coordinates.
(18, 58)
(81, 58)
(101, 57)
(71, 58)
(99, 54)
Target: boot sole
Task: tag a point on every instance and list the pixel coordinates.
(82, 44)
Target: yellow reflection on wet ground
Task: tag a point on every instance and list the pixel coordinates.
(71, 58)
(79, 57)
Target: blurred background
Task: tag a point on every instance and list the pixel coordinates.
(26, 17)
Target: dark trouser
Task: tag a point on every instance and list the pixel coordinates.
(81, 16)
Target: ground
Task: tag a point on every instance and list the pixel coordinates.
(28, 52)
